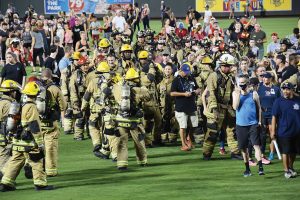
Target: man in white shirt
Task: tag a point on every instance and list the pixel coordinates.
(118, 22)
(274, 46)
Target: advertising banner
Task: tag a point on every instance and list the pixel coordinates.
(242, 5)
(88, 6)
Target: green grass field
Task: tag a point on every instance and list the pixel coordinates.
(171, 174)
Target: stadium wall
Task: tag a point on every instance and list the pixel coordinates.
(178, 6)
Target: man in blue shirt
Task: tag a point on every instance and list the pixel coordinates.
(286, 120)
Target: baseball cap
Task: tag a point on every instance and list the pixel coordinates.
(185, 68)
(287, 85)
(166, 52)
(267, 75)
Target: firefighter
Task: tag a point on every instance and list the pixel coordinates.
(104, 48)
(77, 89)
(130, 96)
(219, 111)
(167, 106)
(51, 106)
(9, 99)
(68, 122)
(149, 75)
(27, 141)
(101, 104)
(126, 61)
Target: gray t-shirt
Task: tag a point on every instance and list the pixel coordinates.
(261, 35)
(39, 43)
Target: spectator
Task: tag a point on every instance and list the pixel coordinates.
(78, 27)
(280, 61)
(181, 32)
(232, 8)
(268, 93)
(118, 22)
(260, 38)
(253, 47)
(248, 119)
(294, 38)
(4, 34)
(65, 61)
(95, 26)
(106, 27)
(137, 16)
(184, 89)
(68, 36)
(285, 122)
(60, 49)
(13, 70)
(145, 16)
(82, 45)
(274, 46)
(37, 48)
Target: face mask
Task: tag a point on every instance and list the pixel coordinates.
(243, 87)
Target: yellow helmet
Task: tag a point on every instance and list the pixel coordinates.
(143, 54)
(131, 74)
(9, 85)
(104, 43)
(103, 67)
(31, 89)
(126, 47)
(207, 60)
(76, 55)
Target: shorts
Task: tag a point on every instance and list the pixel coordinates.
(246, 133)
(27, 45)
(289, 145)
(183, 118)
(95, 37)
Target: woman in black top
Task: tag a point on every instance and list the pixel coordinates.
(13, 70)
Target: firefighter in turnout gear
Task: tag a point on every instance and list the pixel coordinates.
(167, 107)
(68, 122)
(77, 89)
(100, 101)
(126, 61)
(104, 48)
(51, 105)
(151, 109)
(9, 106)
(205, 69)
(129, 97)
(219, 111)
(27, 140)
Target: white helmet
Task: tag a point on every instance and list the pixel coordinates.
(227, 59)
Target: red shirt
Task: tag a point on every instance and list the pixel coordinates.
(181, 32)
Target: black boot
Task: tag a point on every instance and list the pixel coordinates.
(6, 188)
(48, 187)
(28, 171)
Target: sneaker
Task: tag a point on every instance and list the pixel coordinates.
(185, 148)
(48, 187)
(247, 173)
(271, 156)
(265, 161)
(252, 163)
(293, 172)
(261, 172)
(235, 156)
(6, 188)
(222, 151)
(288, 175)
(79, 139)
